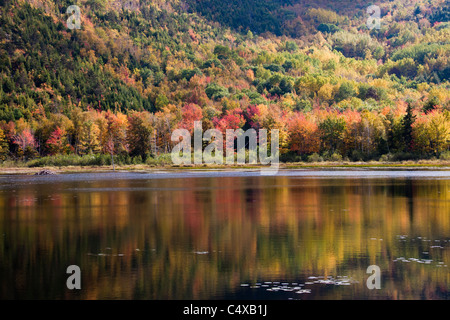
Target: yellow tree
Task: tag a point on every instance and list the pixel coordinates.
(431, 132)
(76, 132)
(140, 129)
(4, 148)
(113, 133)
(89, 142)
(275, 118)
(164, 123)
(372, 130)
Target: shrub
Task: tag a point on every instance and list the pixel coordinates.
(290, 157)
(357, 155)
(445, 155)
(71, 160)
(314, 158)
(336, 157)
(402, 156)
(386, 157)
(160, 160)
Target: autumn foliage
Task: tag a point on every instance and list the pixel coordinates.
(125, 81)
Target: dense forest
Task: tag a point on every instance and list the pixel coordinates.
(136, 70)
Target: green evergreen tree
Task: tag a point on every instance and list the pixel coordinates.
(407, 123)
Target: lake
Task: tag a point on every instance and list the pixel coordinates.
(302, 234)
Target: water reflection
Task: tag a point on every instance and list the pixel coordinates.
(225, 237)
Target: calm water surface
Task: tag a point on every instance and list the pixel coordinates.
(302, 234)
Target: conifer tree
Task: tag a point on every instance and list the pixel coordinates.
(407, 123)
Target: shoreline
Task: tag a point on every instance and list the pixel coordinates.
(403, 165)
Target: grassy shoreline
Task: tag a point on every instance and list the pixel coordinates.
(22, 168)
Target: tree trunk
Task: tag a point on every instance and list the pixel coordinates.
(112, 161)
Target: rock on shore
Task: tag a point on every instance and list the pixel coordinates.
(45, 173)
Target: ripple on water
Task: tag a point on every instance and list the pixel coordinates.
(297, 287)
(435, 246)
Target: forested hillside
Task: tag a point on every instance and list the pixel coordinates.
(137, 70)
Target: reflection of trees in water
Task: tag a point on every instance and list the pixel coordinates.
(246, 227)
